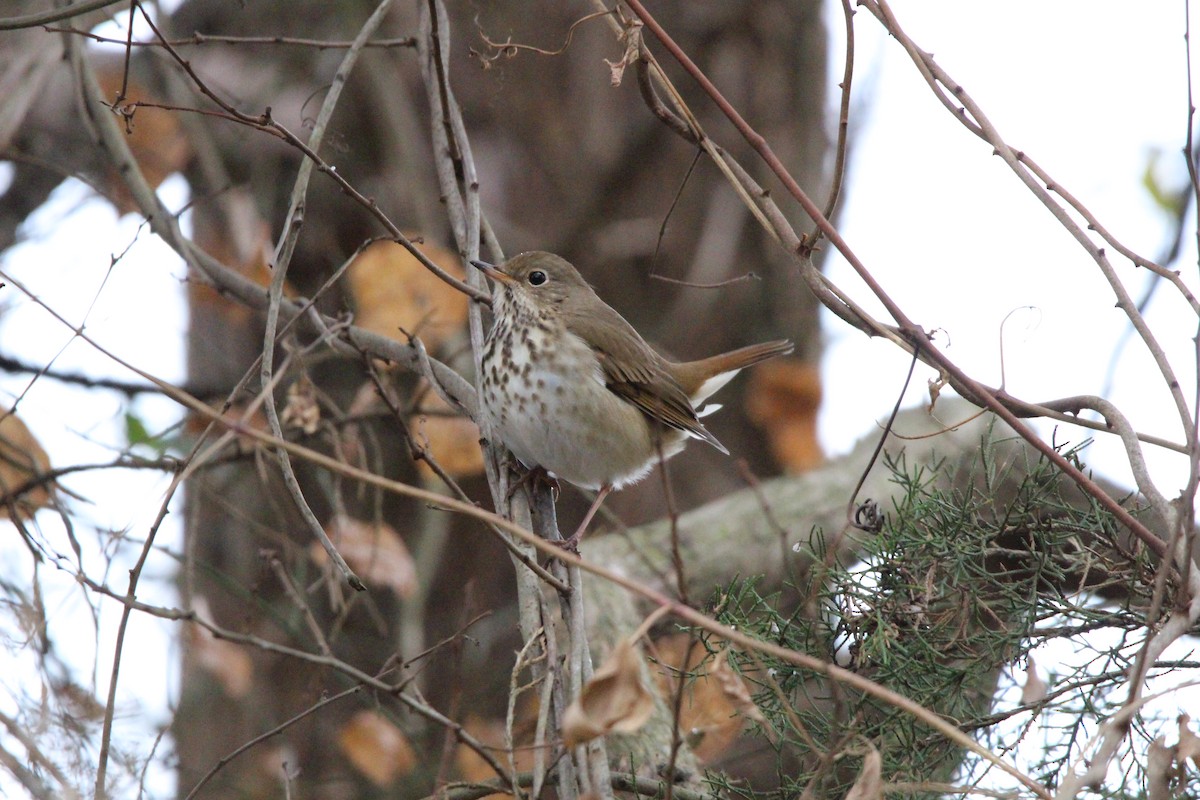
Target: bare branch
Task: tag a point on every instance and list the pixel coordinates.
(45, 17)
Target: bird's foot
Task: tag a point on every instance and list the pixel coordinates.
(532, 478)
(571, 543)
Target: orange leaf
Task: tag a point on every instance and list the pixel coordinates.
(615, 699)
(392, 291)
(490, 733)
(452, 439)
(22, 459)
(155, 136)
(708, 717)
(374, 550)
(783, 398)
(376, 748)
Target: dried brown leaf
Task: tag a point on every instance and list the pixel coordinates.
(707, 717)
(614, 700)
(302, 410)
(935, 390)
(376, 748)
(733, 687)
(394, 292)
(1189, 743)
(1160, 769)
(869, 785)
(1035, 688)
(632, 36)
(374, 550)
(22, 459)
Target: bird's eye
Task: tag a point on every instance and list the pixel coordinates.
(537, 278)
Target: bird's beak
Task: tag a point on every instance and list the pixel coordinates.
(493, 273)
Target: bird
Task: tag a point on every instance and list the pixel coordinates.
(570, 386)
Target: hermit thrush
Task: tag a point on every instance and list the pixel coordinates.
(570, 386)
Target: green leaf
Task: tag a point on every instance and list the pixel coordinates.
(136, 432)
(138, 435)
(1171, 201)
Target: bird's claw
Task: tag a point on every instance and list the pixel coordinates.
(532, 477)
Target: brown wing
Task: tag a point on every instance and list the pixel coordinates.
(635, 373)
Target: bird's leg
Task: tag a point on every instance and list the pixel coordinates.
(572, 543)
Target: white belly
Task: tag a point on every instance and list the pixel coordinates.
(569, 423)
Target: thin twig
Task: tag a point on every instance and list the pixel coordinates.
(851, 504)
(843, 129)
(748, 276)
(123, 92)
(509, 48)
(44, 17)
(525, 661)
(662, 229)
(208, 38)
(676, 713)
(283, 257)
(127, 388)
(297, 598)
(673, 524)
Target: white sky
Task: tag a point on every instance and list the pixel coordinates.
(1088, 88)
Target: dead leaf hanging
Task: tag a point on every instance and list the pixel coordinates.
(22, 460)
(393, 293)
(374, 550)
(376, 747)
(1035, 688)
(614, 700)
(733, 687)
(869, 785)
